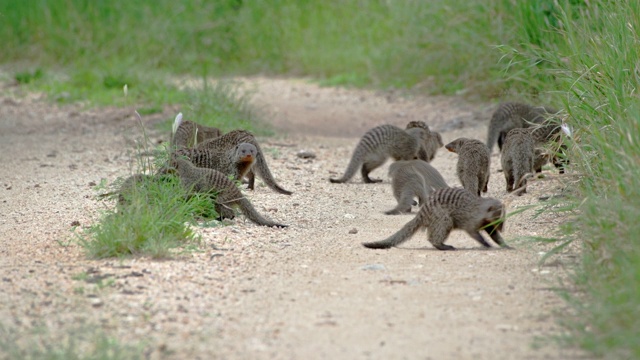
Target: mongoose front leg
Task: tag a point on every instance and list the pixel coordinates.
(479, 238)
(492, 230)
(251, 179)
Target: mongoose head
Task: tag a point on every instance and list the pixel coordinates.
(455, 145)
(418, 124)
(492, 211)
(176, 162)
(246, 152)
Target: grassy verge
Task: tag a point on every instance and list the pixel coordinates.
(588, 58)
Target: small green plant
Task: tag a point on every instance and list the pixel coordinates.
(155, 219)
(27, 77)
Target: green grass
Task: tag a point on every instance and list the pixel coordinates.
(156, 219)
(438, 46)
(219, 104)
(590, 62)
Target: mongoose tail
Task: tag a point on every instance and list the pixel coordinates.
(404, 234)
(352, 168)
(252, 214)
(262, 170)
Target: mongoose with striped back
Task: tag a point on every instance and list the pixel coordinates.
(204, 180)
(517, 159)
(473, 163)
(235, 161)
(380, 143)
(511, 115)
(189, 134)
(449, 209)
(434, 141)
(214, 151)
(413, 178)
(548, 143)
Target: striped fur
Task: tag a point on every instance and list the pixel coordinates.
(236, 161)
(377, 145)
(203, 180)
(413, 178)
(230, 141)
(517, 158)
(513, 115)
(449, 209)
(433, 142)
(189, 134)
(473, 164)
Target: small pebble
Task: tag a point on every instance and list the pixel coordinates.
(306, 154)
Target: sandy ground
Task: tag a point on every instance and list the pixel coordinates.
(310, 291)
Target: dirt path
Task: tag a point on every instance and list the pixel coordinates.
(307, 292)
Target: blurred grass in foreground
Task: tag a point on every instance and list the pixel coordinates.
(438, 46)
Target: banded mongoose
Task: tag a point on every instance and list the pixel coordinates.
(517, 159)
(548, 141)
(189, 134)
(449, 209)
(413, 178)
(434, 141)
(380, 143)
(473, 164)
(203, 180)
(511, 115)
(236, 161)
(229, 142)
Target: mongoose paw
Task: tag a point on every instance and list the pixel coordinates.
(372, 181)
(397, 212)
(444, 247)
(335, 181)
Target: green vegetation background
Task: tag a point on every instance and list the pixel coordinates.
(582, 56)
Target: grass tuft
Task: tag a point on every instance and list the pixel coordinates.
(156, 219)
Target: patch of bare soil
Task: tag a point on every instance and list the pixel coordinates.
(310, 291)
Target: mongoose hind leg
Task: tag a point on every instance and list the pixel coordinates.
(510, 181)
(440, 227)
(405, 200)
(368, 167)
